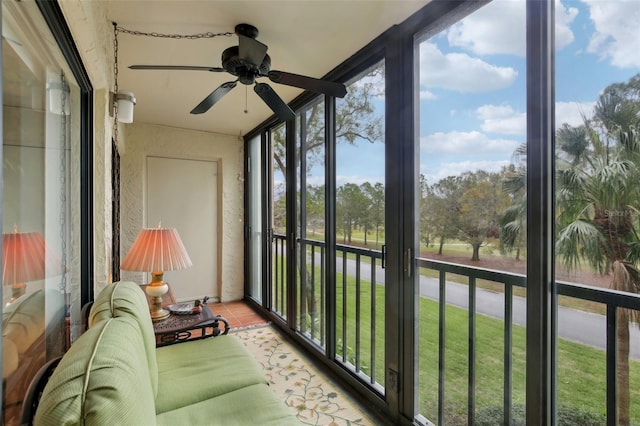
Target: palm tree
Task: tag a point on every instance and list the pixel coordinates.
(513, 223)
(598, 204)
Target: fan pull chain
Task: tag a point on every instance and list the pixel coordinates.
(246, 100)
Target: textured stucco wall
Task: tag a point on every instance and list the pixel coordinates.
(154, 140)
(93, 36)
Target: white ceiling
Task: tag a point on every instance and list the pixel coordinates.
(308, 37)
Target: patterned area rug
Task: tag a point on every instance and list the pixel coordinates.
(312, 396)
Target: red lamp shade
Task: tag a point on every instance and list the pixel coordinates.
(157, 250)
(26, 257)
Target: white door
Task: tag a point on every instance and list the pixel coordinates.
(183, 194)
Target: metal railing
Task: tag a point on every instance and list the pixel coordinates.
(359, 278)
(612, 300)
(357, 273)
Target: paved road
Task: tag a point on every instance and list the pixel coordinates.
(574, 325)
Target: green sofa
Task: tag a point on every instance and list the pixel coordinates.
(114, 375)
(33, 329)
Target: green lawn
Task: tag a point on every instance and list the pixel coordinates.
(581, 369)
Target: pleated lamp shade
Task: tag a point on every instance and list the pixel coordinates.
(157, 250)
(26, 257)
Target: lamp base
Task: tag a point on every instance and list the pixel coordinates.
(160, 314)
(155, 289)
(17, 290)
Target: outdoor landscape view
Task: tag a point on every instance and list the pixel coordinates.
(472, 198)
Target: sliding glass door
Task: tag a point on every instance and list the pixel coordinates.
(359, 200)
(42, 112)
(472, 200)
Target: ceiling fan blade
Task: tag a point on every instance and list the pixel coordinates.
(251, 50)
(214, 97)
(308, 83)
(176, 67)
(273, 101)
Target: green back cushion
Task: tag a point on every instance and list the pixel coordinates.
(103, 380)
(126, 299)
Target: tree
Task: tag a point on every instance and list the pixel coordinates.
(315, 207)
(426, 225)
(278, 209)
(598, 201)
(351, 207)
(481, 207)
(513, 224)
(442, 208)
(375, 211)
(356, 119)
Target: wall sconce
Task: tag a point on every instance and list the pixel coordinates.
(59, 102)
(124, 101)
(121, 102)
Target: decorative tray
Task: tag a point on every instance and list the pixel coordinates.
(182, 309)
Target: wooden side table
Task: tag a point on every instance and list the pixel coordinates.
(179, 328)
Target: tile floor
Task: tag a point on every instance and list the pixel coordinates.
(239, 314)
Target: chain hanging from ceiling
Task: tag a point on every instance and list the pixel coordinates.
(174, 36)
(64, 92)
(115, 172)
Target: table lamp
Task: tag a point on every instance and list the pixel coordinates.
(157, 250)
(26, 257)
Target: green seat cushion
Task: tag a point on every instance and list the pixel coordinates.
(126, 299)
(102, 380)
(252, 405)
(193, 371)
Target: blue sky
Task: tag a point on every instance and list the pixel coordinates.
(472, 83)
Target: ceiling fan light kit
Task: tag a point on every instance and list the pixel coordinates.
(247, 62)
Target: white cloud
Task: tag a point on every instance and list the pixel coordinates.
(456, 168)
(499, 28)
(440, 70)
(616, 36)
(502, 119)
(571, 112)
(427, 95)
(466, 143)
(505, 120)
(357, 179)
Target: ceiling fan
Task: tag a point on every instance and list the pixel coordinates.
(249, 61)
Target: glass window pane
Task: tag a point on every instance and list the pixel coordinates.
(254, 217)
(310, 148)
(360, 226)
(597, 204)
(41, 262)
(278, 221)
(472, 129)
